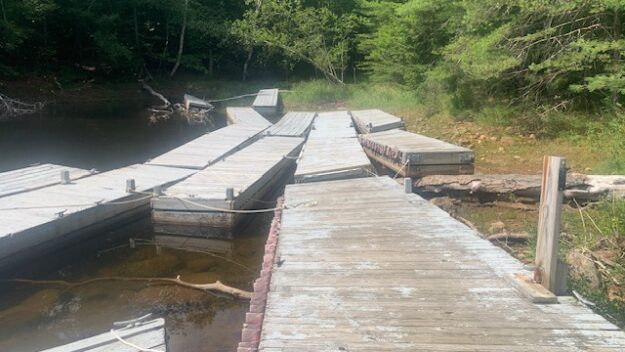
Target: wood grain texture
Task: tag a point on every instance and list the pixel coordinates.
(293, 124)
(363, 266)
(35, 177)
(374, 120)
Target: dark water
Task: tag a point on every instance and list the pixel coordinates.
(106, 135)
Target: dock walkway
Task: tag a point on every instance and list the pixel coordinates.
(35, 177)
(362, 266)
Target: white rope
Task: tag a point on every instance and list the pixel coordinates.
(78, 205)
(403, 167)
(234, 211)
(139, 348)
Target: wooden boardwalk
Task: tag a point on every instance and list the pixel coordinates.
(35, 177)
(413, 155)
(293, 124)
(333, 124)
(200, 204)
(267, 102)
(209, 148)
(52, 216)
(362, 266)
(246, 116)
(374, 120)
(333, 159)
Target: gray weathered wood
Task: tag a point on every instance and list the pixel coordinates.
(331, 125)
(267, 102)
(193, 103)
(548, 241)
(246, 116)
(35, 177)
(332, 159)
(293, 124)
(147, 335)
(363, 266)
(374, 120)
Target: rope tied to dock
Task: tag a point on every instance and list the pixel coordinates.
(234, 211)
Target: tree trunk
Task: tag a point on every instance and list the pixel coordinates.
(518, 187)
(4, 12)
(211, 63)
(165, 46)
(246, 64)
(181, 45)
(617, 53)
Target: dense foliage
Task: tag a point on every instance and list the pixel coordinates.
(552, 54)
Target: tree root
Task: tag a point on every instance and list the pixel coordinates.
(212, 287)
(10, 107)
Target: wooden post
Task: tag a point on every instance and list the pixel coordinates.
(408, 185)
(230, 193)
(156, 191)
(547, 246)
(65, 177)
(130, 185)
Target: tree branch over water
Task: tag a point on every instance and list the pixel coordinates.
(10, 108)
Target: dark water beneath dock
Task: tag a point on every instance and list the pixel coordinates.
(105, 135)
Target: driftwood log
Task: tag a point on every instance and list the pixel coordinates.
(524, 188)
(216, 286)
(10, 108)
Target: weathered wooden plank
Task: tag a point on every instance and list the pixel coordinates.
(267, 102)
(147, 335)
(374, 120)
(209, 148)
(361, 265)
(332, 159)
(332, 125)
(293, 124)
(246, 116)
(37, 176)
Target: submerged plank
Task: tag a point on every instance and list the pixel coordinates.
(374, 120)
(362, 265)
(246, 116)
(209, 148)
(37, 176)
(293, 124)
(414, 155)
(202, 199)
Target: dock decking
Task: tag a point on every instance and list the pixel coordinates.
(50, 216)
(267, 102)
(293, 124)
(374, 120)
(149, 335)
(36, 176)
(196, 205)
(333, 124)
(209, 148)
(246, 116)
(362, 266)
(333, 159)
(413, 155)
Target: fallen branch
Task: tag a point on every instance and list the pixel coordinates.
(468, 223)
(159, 112)
(516, 237)
(216, 286)
(10, 107)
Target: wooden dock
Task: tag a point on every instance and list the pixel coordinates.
(246, 116)
(360, 265)
(332, 159)
(333, 124)
(293, 124)
(201, 204)
(36, 222)
(37, 176)
(374, 120)
(268, 103)
(149, 335)
(210, 148)
(413, 155)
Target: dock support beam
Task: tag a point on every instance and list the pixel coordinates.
(157, 191)
(548, 272)
(130, 185)
(65, 177)
(230, 193)
(408, 185)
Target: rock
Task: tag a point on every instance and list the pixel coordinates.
(516, 157)
(493, 138)
(501, 150)
(582, 268)
(532, 136)
(445, 203)
(496, 227)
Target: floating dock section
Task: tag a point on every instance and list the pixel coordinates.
(209, 148)
(293, 124)
(245, 116)
(210, 199)
(332, 151)
(36, 222)
(360, 265)
(414, 155)
(147, 336)
(370, 121)
(268, 103)
(38, 176)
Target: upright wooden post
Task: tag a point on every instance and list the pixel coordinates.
(553, 184)
(65, 177)
(230, 193)
(157, 191)
(408, 185)
(130, 185)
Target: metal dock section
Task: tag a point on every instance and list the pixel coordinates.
(370, 121)
(32, 223)
(267, 102)
(332, 152)
(147, 336)
(245, 116)
(38, 176)
(209, 148)
(293, 124)
(210, 199)
(360, 265)
(414, 155)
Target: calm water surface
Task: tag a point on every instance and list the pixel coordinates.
(106, 135)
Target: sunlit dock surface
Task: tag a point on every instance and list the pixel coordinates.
(37, 176)
(374, 120)
(360, 265)
(267, 102)
(246, 116)
(293, 124)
